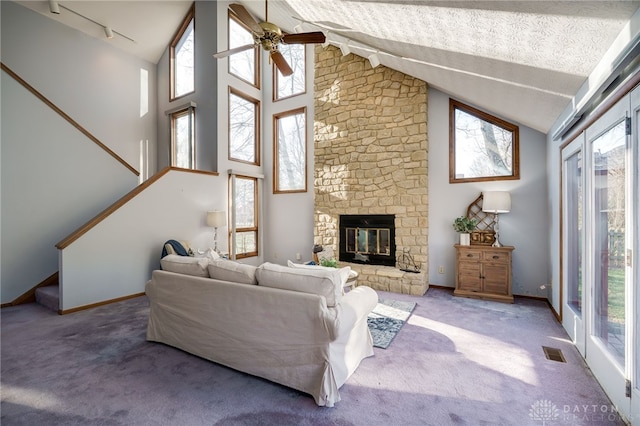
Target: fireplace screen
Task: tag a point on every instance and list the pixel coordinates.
(368, 241)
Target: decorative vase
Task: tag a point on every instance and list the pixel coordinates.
(465, 239)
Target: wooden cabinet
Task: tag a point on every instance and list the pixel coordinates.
(484, 272)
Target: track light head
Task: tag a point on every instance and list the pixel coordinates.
(108, 32)
(54, 7)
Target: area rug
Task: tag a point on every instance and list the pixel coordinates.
(386, 320)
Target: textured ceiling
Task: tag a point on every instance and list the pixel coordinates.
(522, 60)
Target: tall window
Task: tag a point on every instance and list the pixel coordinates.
(295, 84)
(481, 147)
(290, 151)
(244, 64)
(244, 191)
(244, 141)
(183, 138)
(182, 58)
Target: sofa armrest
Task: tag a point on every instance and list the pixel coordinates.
(355, 306)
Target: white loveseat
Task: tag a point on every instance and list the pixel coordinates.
(288, 325)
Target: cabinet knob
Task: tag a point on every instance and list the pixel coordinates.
(496, 257)
(469, 255)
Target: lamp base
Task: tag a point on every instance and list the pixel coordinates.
(496, 243)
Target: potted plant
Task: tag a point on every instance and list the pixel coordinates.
(464, 226)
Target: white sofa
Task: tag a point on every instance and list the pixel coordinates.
(288, 325)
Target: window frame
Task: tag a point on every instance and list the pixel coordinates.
(191, 16)
(190, 109)
(276, 145)
(256, 66)
(236, 230)
(257, 129)
(276, 74)
(481, 115)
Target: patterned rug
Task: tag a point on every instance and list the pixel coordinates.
(386, 319)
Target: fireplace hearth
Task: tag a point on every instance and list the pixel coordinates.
(368, 239)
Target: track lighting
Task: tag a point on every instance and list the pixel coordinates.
(344, 48)
(53, 7)
(108, 32)
(374, 60)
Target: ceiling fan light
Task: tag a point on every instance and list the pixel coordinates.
(374, 60)
(344, 48)
(54, 7)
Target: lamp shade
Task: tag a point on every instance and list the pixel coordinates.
(216, 219)
(496, 202)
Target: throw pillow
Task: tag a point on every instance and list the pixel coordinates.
(187, 265)
(324, 282)
(228, 270)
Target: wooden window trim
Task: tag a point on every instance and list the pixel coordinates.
(256, 66)
(256, 103)
(255, 221)
(173, 116)
(515, 148)
(274, 95)
(276, 164)
(191, 15)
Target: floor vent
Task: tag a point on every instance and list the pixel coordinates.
(553, 354)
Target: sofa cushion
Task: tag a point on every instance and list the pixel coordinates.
(185, 265)
(324, 282)
(228, 270)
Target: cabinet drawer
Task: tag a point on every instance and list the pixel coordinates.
(469, 254)
(495, 256)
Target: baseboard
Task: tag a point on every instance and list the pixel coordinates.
(94, 305)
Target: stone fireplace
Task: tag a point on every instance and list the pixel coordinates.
(370, 156)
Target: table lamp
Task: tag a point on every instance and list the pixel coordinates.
(216, 219)
(496, 202)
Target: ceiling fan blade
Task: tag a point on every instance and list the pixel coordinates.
(246, 18)
(281, 63)
(232, 51)
(314, 37)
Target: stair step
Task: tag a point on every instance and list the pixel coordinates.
(49, 297)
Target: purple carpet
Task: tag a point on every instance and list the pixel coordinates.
(455, 361)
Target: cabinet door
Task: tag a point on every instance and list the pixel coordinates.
(496, 278)
(469, 276)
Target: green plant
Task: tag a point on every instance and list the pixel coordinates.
(331, 263)
(464, 224)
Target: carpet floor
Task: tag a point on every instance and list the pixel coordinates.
(456, 361)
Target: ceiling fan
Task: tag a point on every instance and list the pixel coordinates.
(269, 36)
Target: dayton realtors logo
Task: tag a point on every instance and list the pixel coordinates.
(547, 412)
(544, 410)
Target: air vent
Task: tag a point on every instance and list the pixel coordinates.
(553, 354)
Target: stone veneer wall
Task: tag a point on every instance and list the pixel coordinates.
(370, 140)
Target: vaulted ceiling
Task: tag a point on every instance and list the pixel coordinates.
(523, 60)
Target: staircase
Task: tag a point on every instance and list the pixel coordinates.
(49, 297)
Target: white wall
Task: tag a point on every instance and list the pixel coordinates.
(525, 227)
(205, 94)
(97, 85)
(53, 178)
(287, 219)
(115, 258)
